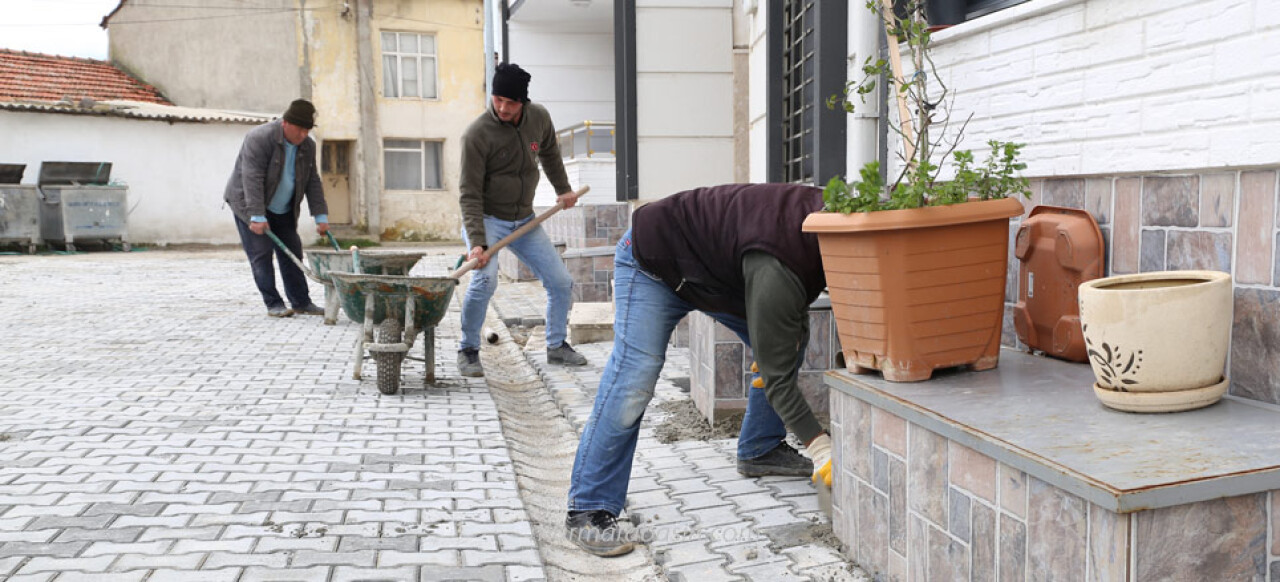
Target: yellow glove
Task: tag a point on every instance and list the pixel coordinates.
(756, 382)
(820, 451)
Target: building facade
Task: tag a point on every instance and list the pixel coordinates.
(395, 84)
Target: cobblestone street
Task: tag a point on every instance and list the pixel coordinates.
(157, 426)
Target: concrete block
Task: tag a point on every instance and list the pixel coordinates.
(591, 323)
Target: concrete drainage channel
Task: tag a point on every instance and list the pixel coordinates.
(542, 445)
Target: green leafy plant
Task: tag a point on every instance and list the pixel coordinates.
(924, 117)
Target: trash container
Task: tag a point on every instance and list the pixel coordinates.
(19, 208)
(77, 204)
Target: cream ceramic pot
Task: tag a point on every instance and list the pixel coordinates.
(1157, 332)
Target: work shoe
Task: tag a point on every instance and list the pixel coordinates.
(782, 461)
(310, 309)
(598, 533)
(280, 311)
(565, 355)
(469, 363)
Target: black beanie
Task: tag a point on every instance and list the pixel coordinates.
(512, 82)
(301, 113)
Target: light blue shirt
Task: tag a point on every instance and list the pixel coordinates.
(284, 191)
(283, 196)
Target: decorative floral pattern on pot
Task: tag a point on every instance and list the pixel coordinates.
(1117, 369)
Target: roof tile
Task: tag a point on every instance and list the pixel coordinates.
(28, 76)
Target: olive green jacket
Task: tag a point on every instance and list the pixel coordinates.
(500, 167)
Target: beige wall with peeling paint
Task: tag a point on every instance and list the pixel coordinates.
(458, 26)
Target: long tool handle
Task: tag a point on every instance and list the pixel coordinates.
(295, 259)
(333, 241)
(895, 65)
(519, 232)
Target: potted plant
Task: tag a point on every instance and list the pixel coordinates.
(916, 265)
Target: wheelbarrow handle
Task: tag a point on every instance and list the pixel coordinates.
(294, 258)
(519, 232)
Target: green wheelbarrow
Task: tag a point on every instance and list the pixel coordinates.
(375, 262)
(394, 309)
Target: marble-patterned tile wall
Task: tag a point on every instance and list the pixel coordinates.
(958, 514)
(1222, 220)
(589, 225)
(592, 272)
(720, 364)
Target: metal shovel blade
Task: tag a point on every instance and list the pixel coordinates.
(824, 498)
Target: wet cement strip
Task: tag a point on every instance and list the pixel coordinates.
(542, 445)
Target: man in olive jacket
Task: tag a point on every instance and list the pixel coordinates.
(500, 154)
(276, 168)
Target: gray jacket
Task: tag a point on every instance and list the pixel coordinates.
(500, 167)
(257, 173)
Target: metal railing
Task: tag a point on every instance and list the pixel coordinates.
(588, 139)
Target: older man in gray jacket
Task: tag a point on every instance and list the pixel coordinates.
(275, 170)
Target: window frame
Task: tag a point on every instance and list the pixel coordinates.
(399, 58)
(422, 163)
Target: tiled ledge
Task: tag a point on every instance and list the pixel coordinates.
(1039, 415)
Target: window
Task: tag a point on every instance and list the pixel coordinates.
(412, 164)
(797, 91)
(944, 12)
(408, 65)
(808, 62)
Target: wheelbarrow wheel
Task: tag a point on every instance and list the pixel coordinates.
(388, 363)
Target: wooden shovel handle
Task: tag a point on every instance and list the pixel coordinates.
(519, 232)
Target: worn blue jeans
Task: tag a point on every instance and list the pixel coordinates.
(646, 312)
(536, 251)
(259, 248)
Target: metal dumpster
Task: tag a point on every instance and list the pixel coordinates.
(77, 204)
(19, 208)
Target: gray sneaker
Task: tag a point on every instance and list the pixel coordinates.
(565, 355)
(782, 461)
(309, 309)
(280, 311)
(598, 533)
(469, 363)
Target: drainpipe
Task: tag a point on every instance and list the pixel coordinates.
(741, 90)
(488, 45)
(304, 72)
(369, 153)
(863, 143)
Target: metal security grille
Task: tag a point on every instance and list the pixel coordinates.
(798, 68)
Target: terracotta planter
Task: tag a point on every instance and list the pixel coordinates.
(1158, 342)
(917, 290)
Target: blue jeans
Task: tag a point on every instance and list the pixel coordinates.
(259, 247)
(646, 312)
(536, 251)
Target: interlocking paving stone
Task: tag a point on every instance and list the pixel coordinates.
(214, 443)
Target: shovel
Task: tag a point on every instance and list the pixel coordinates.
(519, 232)
(295, 259)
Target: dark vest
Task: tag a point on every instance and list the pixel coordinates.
(694, 240)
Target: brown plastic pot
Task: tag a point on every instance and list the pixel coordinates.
(916, 290)
(1058, 249)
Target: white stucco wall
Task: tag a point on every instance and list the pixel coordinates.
(176, 173)
(572, 69)
(684, 95)
(1106, 87)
